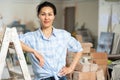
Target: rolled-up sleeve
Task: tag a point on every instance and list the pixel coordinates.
(25, 38)
(74, 45)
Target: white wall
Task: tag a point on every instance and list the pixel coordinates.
(25, 11)
(86, 11)
(107, 9)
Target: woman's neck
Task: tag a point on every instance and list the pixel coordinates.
(47, 31)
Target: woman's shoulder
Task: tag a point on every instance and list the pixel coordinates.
(30, 34)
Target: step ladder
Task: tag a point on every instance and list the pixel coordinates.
(11, 36)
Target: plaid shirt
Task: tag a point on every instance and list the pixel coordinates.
(53, 49)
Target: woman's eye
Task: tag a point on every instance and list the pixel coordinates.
(50, 14)
(42, 14)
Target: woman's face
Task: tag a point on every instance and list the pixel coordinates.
(46, 17)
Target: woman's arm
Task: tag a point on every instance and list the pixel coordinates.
(26, 48)
(31, 50)
(75, 60)
(66, 70)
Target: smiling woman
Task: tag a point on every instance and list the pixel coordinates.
(46, 17)
(48, 46)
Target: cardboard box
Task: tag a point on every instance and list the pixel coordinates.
(101, 59)
(98, 58)
(69, 76)
(99, 55)
(86, 47)
(100, 75)
(84, 75)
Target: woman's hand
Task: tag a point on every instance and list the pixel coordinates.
(65, 70)
(39, 57)
(70, 69)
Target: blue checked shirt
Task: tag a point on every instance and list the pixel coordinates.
(53, 49)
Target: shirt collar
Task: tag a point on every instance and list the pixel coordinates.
(54, 32)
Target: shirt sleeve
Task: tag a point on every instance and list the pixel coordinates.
(26, 38)
(73, 44)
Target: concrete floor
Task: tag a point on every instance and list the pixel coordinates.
(6, 76)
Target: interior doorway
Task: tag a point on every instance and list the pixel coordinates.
(70, 19)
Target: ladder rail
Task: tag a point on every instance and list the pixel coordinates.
(11, 35)
(20, 55)
(3, 52)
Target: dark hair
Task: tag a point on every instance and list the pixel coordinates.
(46, 4)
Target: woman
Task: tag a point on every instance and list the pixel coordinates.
(48, 46)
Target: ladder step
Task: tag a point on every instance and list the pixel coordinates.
(17, 70)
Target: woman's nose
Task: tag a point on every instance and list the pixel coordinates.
(46, 16)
